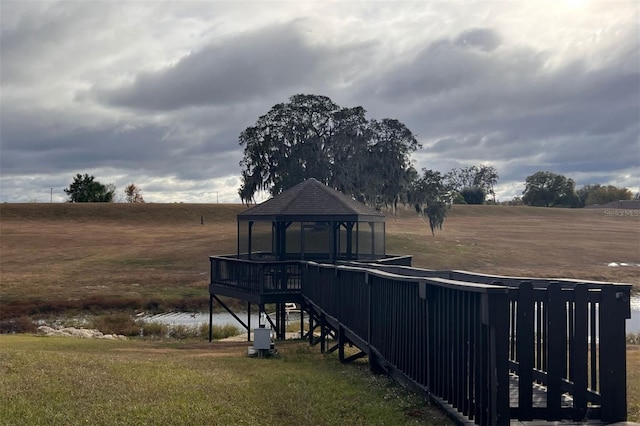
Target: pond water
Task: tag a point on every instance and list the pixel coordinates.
(219, 319)
(633, 324)
(190, 319)
(222, 318)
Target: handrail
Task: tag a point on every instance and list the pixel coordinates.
(408, 324)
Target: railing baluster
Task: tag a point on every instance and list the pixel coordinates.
(593, 338)
(525, 349)
(579, 353)
(556, 327)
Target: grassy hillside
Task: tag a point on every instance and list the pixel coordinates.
(524, 241)
(61, 257)
(138, 214)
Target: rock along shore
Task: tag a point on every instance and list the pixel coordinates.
(83, 333)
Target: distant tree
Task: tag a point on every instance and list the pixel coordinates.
(547, 189)
(473, 195)
(482, 176)
(515, 201)
(457, 198)
(591, 194)
(133, 194)
(311, 136)
(431, 196)
(85, 188)
(111, 188)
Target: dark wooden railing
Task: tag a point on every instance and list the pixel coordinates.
(255, 277)
(574, 347)
(447, 338)
(565, 335)
(482, 349)
(486, 348)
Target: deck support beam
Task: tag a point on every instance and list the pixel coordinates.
(246, 326)
(342, 341)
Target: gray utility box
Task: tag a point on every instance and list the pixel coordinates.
(262, 338)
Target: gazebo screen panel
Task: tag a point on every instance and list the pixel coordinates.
(342, 243)
(262, 241)
(379, 240)
(364, 240)
(243, 237)
(293, 240)
(370, 239)
(317, 240)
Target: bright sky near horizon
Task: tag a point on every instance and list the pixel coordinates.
(157, 92)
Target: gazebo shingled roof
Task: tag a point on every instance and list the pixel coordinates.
(312, 221)
(311, 200)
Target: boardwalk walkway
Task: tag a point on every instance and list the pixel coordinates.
(470, 342)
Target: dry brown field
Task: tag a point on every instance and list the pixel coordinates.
(524, 241)
(67, 257)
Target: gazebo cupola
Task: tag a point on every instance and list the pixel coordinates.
(311, 222)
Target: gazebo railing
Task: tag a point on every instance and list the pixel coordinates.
(255, 276)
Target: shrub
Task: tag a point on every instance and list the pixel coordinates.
(458, 199)
(473, 195)
(117, 323)
(154, 330)
(222, 332)
(181, 332)
(17, 325)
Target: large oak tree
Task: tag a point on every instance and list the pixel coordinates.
(311, 136)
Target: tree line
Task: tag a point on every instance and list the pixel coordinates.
(86, 189)
(548, 189)
(370, 160)
(367, 159)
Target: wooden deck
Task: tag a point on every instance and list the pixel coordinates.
(539, 392)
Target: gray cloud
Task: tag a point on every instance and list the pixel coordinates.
(478, 38)
(243, 68)
(40, 38)
(504, 104)
(159, 95)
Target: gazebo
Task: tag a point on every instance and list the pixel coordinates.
(308, 222)
(311, 222)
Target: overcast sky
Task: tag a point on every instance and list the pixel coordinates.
(157, 93)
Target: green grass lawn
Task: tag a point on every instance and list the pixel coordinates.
(56, 380)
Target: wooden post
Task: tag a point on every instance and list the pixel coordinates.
(614, 310)
(248, 321)
(301, 320)
(341, 343)
(498, 334)
(210, 318)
